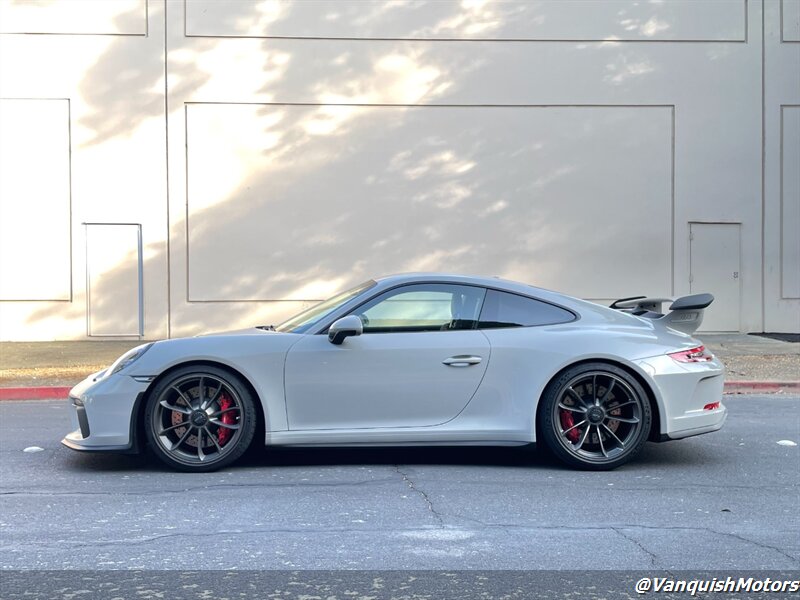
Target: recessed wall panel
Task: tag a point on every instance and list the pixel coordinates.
(629, 20)
(35, 238)
(790, 20)
(290, 202)
(114, 279)
(94, 17)
(790, 201)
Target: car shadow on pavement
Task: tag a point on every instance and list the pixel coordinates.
(421, 455)
(263, 457)
(106, 462)
(670, 455)
(682, 455)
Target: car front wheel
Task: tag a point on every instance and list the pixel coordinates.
(200, 418)
(595, 416)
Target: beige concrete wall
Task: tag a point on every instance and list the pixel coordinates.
(82, 124)
(168, 168)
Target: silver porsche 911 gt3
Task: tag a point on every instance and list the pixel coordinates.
(417, 359)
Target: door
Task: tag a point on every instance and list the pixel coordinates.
(418, 363)
(714, 268)
(114, 303)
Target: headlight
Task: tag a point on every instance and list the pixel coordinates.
(127, 359)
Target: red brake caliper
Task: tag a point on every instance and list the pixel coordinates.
(223, 433)
(566, 422)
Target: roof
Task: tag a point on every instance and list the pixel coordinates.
(494, 282)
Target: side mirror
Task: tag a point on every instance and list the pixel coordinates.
(344, 328)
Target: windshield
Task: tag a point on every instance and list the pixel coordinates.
(310, 317)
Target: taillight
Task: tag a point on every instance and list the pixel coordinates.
(712, 406)
(699, 354)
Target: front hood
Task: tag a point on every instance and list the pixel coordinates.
(247, 331)
(233, 348)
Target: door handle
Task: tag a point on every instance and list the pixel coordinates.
(462, 360)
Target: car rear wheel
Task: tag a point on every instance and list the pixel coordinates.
(200, 418)
(595, 416)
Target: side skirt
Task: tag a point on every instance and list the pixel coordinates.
(395, 437)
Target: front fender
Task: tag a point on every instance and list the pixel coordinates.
(259, 359)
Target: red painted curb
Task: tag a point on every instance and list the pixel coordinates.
(731, 387)
(34, 393)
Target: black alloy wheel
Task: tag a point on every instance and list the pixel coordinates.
(200, 418)
(595, 416)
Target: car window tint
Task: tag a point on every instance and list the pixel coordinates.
(501, 309)
(423, 307)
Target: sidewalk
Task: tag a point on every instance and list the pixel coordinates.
(32, 364)
(754, 364)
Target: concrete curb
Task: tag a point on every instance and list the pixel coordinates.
(731, 387)
(761, 387)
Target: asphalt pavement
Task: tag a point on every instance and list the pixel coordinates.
(727, 500)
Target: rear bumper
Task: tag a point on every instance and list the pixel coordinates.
(685, 390)
(684, 433)
(103, 414)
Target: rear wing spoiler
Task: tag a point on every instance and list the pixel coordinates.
(686, 313)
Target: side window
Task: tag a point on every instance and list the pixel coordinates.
(501, 309)
(423, 307)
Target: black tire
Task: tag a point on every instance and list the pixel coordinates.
(200, 418)
(595, 417)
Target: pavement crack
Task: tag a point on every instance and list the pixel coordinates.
(154, 538)
(408, 481)
(638, 544)
(755, 543)
(136, 541)
(509, 527)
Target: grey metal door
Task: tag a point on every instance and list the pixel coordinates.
(715, 267)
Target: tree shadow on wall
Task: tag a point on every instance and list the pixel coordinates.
(333, 195)
(125, 86)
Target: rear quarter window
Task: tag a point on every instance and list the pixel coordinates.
(501, 309)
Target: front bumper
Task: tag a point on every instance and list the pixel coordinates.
(103, 414)
(685, 389)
